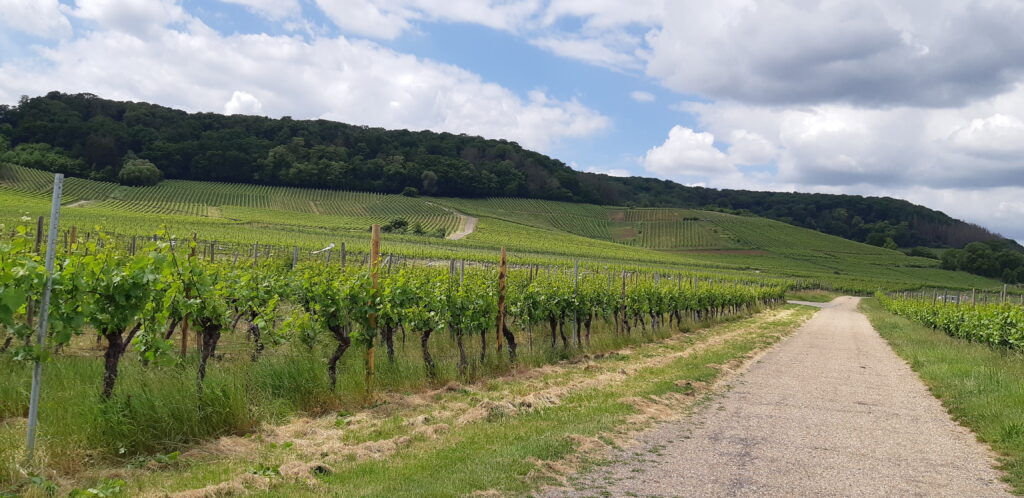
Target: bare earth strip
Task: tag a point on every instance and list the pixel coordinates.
(830, 412)
(467, 223)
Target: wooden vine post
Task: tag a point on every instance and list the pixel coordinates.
(502, 275)
(374, 267)
(621, 328)
(39, 234)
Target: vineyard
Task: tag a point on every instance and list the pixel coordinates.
(998, 324)
(236, 202)
(125, 317)
(535, 231)
(251, 305)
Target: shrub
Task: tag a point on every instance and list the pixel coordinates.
(139, 173)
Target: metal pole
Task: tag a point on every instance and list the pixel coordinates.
(575, 293)
(44, 315)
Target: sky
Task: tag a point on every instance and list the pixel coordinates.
(918, 99)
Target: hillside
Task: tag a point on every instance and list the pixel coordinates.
(90, 137)
(535, 231)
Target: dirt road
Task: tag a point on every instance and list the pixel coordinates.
(466, 227)
(467, 223)
(832, 411)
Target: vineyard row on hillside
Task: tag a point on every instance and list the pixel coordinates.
(999, 324)
(135, 300)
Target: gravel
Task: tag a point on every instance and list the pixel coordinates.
(832, 411)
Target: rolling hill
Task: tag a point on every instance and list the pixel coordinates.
(535, 231)
(87, 136)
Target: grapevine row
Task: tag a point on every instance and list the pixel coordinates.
(145, 301)
(995, 324)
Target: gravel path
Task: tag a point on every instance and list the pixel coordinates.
(832, 411)
(467, 223)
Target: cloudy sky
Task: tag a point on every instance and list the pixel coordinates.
(918, 99)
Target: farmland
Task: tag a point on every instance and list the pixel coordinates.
(219, 303)
(533, 230)
(287, 329)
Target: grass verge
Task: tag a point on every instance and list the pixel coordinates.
(980, 386)
(813, 296)
(531, 428)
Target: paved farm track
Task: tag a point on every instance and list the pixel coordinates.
(832, 411)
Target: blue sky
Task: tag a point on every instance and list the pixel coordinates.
(922, 100)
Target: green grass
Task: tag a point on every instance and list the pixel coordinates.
(813, 296)
(496, 453)
(700, 243)
(980, 386)
(157, 409)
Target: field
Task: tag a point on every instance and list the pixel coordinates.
(534, 231)
(978, 383)
(279, 332)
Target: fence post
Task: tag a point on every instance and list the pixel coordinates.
(502, 270)
(44, 314)
(213, 249)
(39, 234)
(576, 311)
(374, 257)
(344, 255)
(295, 257)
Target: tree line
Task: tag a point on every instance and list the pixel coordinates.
(88, 136)
(994, 259)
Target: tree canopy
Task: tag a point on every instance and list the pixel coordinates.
(88, 136)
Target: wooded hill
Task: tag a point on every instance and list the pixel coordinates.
(88, 136)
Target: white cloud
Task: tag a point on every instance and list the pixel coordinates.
(997, 136)
(271, 9)
(607, 51)
(747, 147)
(354, 81)
(138, 17)
(364, 18)
(41, 18)
(837, 145)
(387, 19)
(866, 53)
(641, 96)
(606, 14)
(243, 103)
(610, 172)
(686, 153)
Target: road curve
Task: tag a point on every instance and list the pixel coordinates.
(832, 411)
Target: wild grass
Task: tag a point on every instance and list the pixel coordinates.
(981, 386)
(158, 409)
(499, 453)
(813, 296)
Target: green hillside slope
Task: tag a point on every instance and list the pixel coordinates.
(91, 137)
(534, 231)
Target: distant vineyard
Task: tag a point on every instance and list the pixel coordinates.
(995, 324)
(238, 202)
(534, 230)
(670, 229)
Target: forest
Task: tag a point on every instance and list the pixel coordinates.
(91, 137)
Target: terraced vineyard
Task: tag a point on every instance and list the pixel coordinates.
(238, 202)
(535, 231)
(670, 229)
